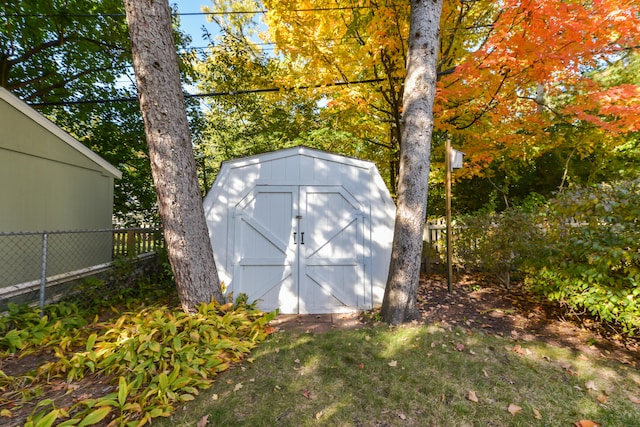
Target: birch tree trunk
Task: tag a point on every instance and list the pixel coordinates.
(172, 161)
(400, 298)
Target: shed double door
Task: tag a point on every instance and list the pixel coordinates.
(301, 249)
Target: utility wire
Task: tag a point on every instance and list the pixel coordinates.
(207, 95)
(122, 15)
(272, 45)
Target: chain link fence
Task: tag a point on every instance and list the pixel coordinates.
(44, 266)
(40, 266)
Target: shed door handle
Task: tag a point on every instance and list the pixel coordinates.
(294, 238)
(301, 238)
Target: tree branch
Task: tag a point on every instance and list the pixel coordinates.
(488, 105)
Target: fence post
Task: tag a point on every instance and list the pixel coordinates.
(448, 211)
(131, 243)
(43, 277)
(116, 244)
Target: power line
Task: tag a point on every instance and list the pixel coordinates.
(272, 45)
(207, 95)
(122, 15)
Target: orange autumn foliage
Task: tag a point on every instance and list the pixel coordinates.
(510, 70)
(536, 67)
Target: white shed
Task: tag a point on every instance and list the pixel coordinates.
(302, 230)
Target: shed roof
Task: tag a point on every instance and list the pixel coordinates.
(47, 124)
(304, 151)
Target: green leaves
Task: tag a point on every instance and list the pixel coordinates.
(13, 341)
(498, 243)
(24, 329)
(159, 356)
(95, 416)
(582, 249)
(594, 258)
(91, 341)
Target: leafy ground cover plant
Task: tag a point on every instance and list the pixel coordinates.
(150, 360)
(24, 330)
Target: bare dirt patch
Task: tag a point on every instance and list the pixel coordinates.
(478, 302)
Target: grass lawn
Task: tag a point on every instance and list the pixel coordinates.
(426, 375)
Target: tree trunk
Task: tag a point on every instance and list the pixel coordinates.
(172, 161)
(400, 298)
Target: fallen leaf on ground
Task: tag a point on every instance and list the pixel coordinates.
(361, 366)
(517, 349)
(460, 347)
(471, 395)
(203, 421)
(537, 414)
(402, 416)
(214, 397)
(83, 396)
(307, 394)
(60, 386)
(591, 385)
(514, 409)
(568, 368)
(635, 400)
(603, 398)
(237, 387)
(393, 363)
(587, 423)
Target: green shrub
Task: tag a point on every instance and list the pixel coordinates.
(581, 249)
(497, 243)
(593, 259)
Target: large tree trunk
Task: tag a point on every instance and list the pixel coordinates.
(400, 298)
(172, 161)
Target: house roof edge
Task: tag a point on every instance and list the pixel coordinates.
(27, 110)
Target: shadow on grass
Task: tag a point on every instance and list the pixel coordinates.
(415, 376)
